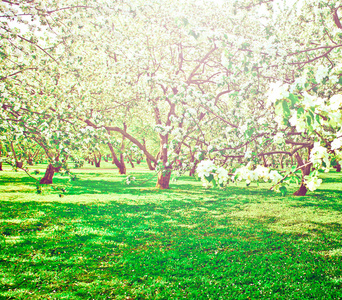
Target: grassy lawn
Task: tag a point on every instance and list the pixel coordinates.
(107, 240)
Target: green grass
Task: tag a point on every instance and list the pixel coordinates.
(107, 240)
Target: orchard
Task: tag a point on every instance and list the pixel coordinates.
(166, 149)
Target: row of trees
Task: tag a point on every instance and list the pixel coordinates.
(230, 81)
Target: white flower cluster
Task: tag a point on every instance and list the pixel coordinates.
(130, 179)
(319, 155)
(297, 121)
(299, 82)
(277, 91)
(336, 143)
(163, 130)
(259, 173)
(310, 101)
(279, 138)
(312, 183)
(321, 73)
(248, 154)
(336, 102)
(209, 172)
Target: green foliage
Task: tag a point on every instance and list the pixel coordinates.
(283, 190)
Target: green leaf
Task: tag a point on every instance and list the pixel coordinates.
(286, 108)
(308, 119)
(294, 99)
(185, 21)
(283, 190)
(311, 113)
(192, 33)
(300, 111)
(210, 178)
(214, 183)
(278, 109)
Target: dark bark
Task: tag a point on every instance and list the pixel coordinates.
(97, 160)
(120, 164)
(50, 171)
(163, 177)
(131, 161)
(138, 161)
(305, 171)
(164, 180)
(281, 161)
(149, 163)
(265, 161)
(195, 162)
(19, 164)
(193, 169)
(122, 167)
(0, 156)
(338, 167)
(148, 160)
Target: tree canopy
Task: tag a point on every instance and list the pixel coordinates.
(237, 88)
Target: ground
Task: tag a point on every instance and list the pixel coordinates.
(103, 239)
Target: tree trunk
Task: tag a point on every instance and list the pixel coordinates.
(130, 161)
(195, 162)
(302, 190)
(281, 161)
(164, 180)
(122, 169)
(265, 161)
(19, 164)
(50, 171)
(0, 156)
(193, 169)
(97, 161)
(138, 161)
(121, 165)
(338, 167)
(164, 176)
(305, 171)
(149, 163)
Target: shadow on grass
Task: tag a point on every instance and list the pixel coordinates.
(168, 250)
